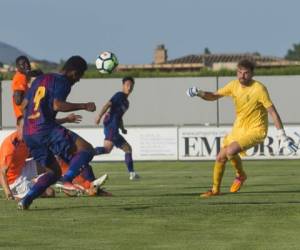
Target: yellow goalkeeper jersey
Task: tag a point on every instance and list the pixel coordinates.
(250, 103)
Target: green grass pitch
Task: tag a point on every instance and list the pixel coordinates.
(164, 211)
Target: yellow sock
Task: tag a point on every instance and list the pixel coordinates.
(236, 162)
(218, 175)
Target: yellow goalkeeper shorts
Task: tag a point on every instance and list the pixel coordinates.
(245, 138)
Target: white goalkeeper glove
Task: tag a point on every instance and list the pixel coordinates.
(286, 141)
(194, 91)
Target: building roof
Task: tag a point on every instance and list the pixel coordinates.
(209, 59)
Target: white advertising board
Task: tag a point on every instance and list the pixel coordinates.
(203, 143)
(148, 143)
(184, 143)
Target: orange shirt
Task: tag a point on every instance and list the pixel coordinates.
(19, 82)
(13, 154)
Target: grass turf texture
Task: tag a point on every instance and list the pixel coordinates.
(164, 211)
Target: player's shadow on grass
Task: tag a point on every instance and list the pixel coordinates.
(269, 192)
(120, 207)
(135, 208)
(252, 202)
(275, 184)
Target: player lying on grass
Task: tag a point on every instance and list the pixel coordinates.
(113, 112)
(252, 105)
(17, 175)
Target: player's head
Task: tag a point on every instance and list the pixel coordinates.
(245, 71)
(128, 84)
(74, 68)
(23, 65)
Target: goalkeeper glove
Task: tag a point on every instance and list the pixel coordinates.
(194, 91)
(287, 141)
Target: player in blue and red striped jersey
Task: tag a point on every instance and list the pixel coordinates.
(114, 110)
(45, 137)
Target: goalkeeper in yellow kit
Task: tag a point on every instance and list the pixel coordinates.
(252, 105)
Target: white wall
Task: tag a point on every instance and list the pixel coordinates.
(162, 101)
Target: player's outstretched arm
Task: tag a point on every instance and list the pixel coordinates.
(71, 118)
(69, 107)
(104, 109)
(4, 183)
(208, 96)
(284, 139)
(124, 131)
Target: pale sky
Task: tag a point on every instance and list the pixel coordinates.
(57, 29)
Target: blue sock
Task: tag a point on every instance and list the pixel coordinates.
(43, 182)
(100, 150)
(129, 162)
(87, 173)
(79, 160)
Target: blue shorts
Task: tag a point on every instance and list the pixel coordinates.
(55, 142)
(112, 134)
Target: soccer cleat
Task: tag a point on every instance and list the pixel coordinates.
(209, 193)
(133, 176)
(22, 205)
(70, 189)
(100, 181)
(238, 183)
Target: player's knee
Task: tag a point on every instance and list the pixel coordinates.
(229, 157)
(221, 157)
(108, 149)
(49, 192)
(82, 145)
(127, 148)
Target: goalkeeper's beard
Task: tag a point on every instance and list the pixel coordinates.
(245, 82)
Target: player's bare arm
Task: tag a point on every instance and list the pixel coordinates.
(275, 117)
(124, 131)
(24, 104)
(68, 106)
(71, 118)
(104, 109)
(18, 96)
(208, 96)
(4, 183)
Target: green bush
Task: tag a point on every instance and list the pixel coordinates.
(93, 73)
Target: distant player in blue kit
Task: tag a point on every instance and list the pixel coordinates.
(113, 112)
(43, 134)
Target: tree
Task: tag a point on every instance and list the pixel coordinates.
(294, 53)
(207, 51)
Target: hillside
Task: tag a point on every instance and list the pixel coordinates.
(8, 53)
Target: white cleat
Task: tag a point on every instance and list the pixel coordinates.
(100, 181)
(69, 188)
(133, 176)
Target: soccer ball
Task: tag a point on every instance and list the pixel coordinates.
(106, 62)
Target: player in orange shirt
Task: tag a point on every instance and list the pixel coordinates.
(20, 82)
(16, 173)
